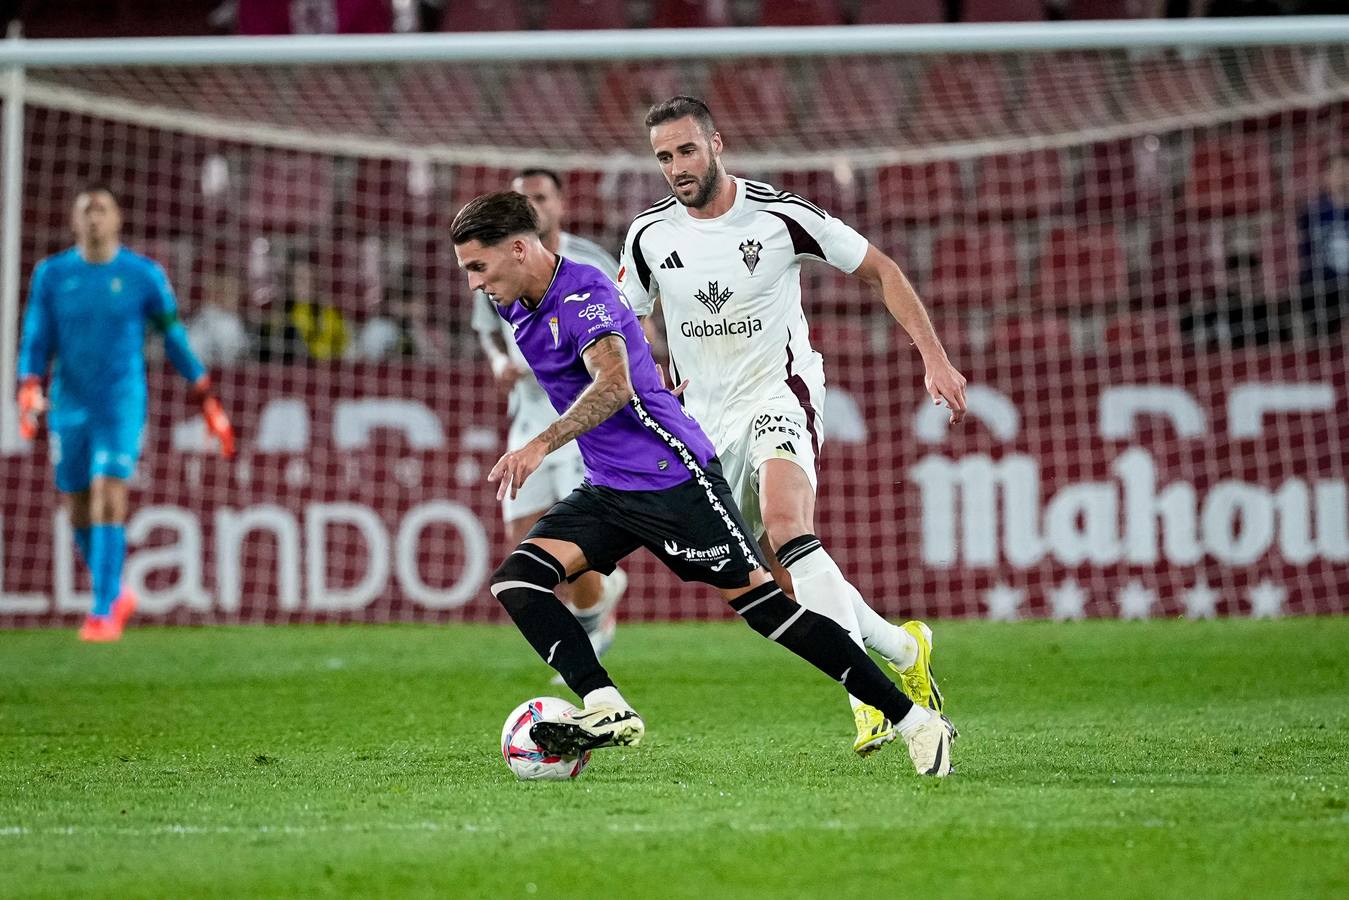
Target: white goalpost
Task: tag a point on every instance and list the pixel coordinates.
(1120, 228)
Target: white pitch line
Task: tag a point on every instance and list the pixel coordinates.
(155, 830)
(642, 827)
(22, 831)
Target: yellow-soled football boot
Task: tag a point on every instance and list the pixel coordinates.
(874, 730)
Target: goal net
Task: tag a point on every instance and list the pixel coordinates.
(1139, 258)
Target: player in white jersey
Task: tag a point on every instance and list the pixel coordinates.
(592, 597)
(723, 258)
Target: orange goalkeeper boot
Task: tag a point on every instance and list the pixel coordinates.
(101, 630)
(124, 606)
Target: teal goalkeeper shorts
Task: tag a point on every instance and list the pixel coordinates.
(95, 448)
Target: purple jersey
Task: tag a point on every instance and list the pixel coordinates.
(649, 445)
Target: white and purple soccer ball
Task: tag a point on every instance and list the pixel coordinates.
(525, 758)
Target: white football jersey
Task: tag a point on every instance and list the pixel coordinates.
(529, 408)
(730, 293)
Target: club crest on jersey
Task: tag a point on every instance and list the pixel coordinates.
(749, 249)
(712, 298)
(552, 326)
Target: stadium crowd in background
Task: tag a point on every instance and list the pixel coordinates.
(288, 301)
(1323, 231)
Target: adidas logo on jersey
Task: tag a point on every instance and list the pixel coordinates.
(673, 261)
(786, 447)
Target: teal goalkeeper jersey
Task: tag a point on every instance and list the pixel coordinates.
(88, 320)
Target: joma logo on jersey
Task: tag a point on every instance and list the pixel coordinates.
(712, 298)
(749, 249)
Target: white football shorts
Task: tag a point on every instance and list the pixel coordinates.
(561, 473)
(788, 425)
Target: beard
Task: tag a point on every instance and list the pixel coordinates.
(708, 187)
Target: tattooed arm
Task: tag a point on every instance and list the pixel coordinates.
(610, 390)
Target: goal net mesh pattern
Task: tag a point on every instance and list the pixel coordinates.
(1133, 256)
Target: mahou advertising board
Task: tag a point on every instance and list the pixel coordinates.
(1080, 485)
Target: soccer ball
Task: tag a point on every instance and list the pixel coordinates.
(524, 757)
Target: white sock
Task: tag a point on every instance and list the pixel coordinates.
(589, 618)
(592, 618)
(821, 588)
(605, 696)
(917, 717)
(886, 638)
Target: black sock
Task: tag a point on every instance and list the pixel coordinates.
(524, 584)
(824, 644)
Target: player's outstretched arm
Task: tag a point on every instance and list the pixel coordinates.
(943, 381)
(606, 359)
(162, 311)
(32, 404)
(36, 348)
(217, 423)
(185, 361)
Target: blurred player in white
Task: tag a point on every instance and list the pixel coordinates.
(723, 257)
(593, 598)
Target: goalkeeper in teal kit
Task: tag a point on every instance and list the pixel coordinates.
(87, 315)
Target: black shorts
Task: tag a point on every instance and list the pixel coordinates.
(694, 528)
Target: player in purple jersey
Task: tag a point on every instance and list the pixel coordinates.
(593, 597)
(652, 480)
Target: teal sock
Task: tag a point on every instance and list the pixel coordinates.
(107, 549)
(82, 539)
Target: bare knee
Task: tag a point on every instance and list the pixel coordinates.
(78, 508)
(518, 529)
(757, 578)
(583, 593)
(108, 502)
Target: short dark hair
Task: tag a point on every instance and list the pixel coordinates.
(491, 218)
(681, 107)
(97, 187)
(542, 173)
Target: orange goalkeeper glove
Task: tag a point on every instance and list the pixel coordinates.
(31, 405)
(217, 423)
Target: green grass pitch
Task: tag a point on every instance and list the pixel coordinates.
(1191, 759)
